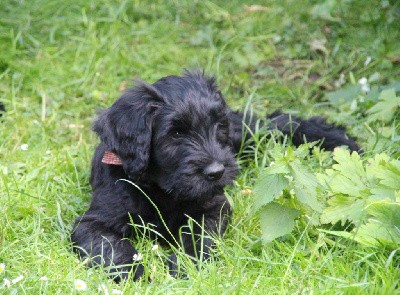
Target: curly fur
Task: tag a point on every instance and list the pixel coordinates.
(177, 140)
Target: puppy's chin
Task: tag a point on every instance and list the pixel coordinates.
(199, 190)
(196, 193)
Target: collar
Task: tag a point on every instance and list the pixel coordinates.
(111, 159)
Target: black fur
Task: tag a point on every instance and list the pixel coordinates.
(177, 139)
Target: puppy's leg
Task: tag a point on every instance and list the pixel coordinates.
(104, 246)
(299, 130)
(313, 129)
(196, 241)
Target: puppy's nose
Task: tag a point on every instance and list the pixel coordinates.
(214, 171)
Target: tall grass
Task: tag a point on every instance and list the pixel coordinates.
(62, 61)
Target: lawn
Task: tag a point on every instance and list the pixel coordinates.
(63, 61)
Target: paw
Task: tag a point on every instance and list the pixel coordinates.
(123, 273)
(175, 270)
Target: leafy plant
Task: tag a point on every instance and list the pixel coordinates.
(379, 103)
(386, 106)
(367, 196)
(285, 190)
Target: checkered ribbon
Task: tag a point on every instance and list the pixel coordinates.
(111, 159)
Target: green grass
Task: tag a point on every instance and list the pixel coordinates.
(61, 61)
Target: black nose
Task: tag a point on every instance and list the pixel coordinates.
(214, 171)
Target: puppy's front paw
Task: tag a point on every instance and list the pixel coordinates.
(175, 270)
(121, 273)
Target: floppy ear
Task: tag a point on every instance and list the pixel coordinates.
(125, 127)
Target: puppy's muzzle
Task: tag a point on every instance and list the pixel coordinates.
(214, 171)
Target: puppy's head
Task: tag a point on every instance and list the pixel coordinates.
(175, 133)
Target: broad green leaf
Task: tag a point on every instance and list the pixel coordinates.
(393, 85)
(340, 184)
(383, 227)
(349, 165)
(386, 212)
(371, 234)
(343, 208)
(386, 106)
(276, 221)
(374, 167)
(344, 95)
(278, 167)
(374, 233)
(338, 233)
(267, 187)
(384, 171)
(349, 176)
(373, 95)
(390, 176)
(368, 198)
(305, 186)
(304, 150)
(381, 193)
(290, 155)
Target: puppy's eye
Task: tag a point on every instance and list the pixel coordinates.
(179, 128)
(223, 131)
(223, 124)
(177, 132)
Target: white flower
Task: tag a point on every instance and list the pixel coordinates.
(6, 283)
(154, 248)
(2, 267)
(272, 163)
(80, 285)
(44, 278)
(137, 257)
(363, 81)
(24, 147)
(103, 288)
(341, 81)
(288, 177)
(116, 291)
(367, 61)
(17, 279)
(364, 84)
(365, 88)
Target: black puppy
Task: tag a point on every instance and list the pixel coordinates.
(176, 140)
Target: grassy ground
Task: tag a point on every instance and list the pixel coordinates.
(61, 61)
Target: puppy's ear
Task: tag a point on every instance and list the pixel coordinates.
(125, 127)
